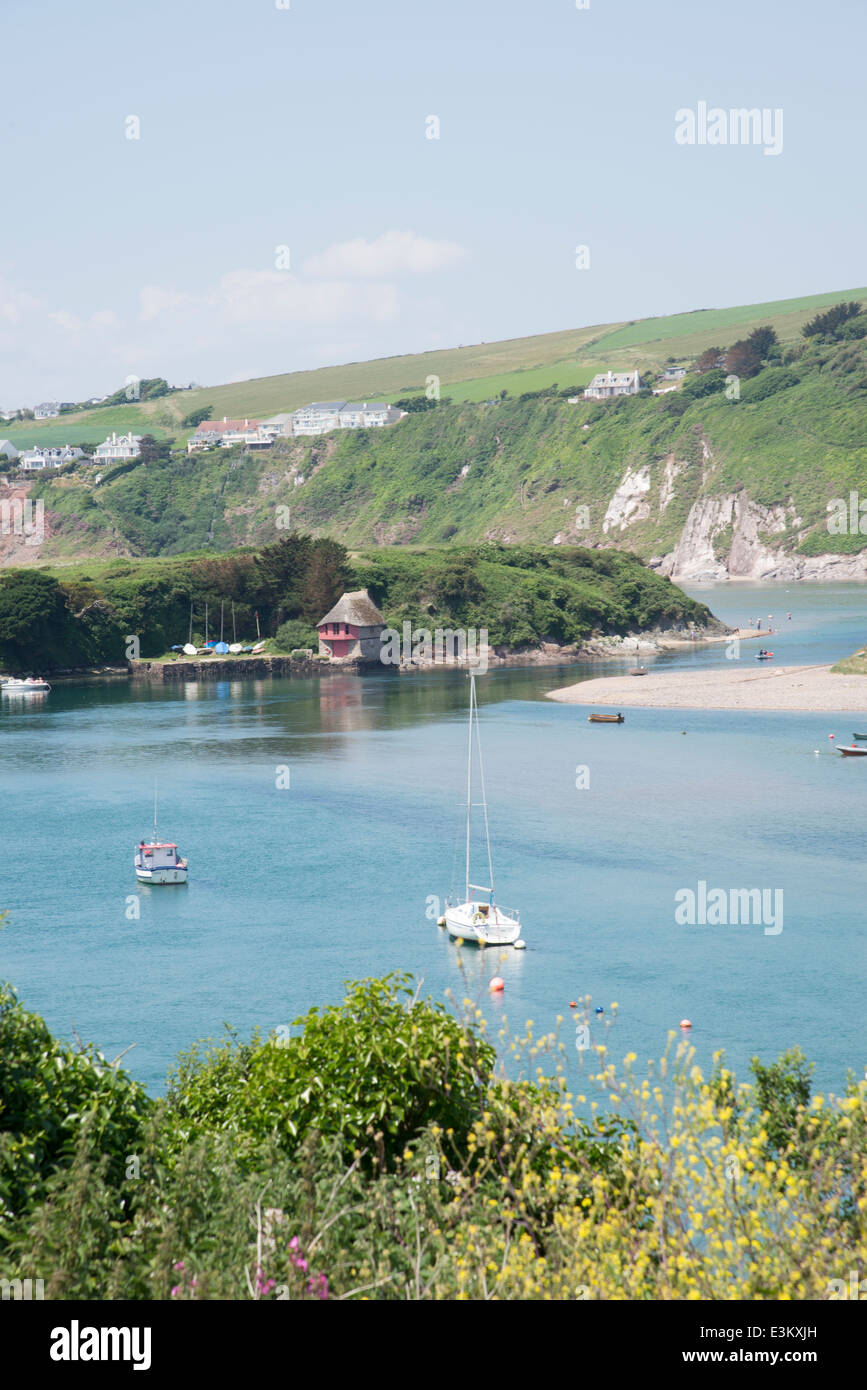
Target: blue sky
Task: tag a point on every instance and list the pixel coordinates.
(305, 127)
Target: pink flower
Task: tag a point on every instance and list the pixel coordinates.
(293, 1244)
(319, 1286)
(179, 1265)
(176, 1290)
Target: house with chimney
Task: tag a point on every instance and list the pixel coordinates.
(352, 629)
(606, 384)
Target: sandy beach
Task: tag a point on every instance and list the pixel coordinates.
(745, 687)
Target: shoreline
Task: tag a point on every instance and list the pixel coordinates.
(782, 689)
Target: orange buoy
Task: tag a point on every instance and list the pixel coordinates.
(830, 735)
(497, 984)
(572, 1004)
(685, 1023)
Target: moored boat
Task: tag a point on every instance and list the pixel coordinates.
(30, 685)
(851, 751)
(606, 718)
(479, 919)
(158, 861)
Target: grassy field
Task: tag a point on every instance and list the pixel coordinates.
(472, 373)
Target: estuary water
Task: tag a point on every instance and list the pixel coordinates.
(296, 888)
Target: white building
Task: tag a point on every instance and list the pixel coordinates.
(278, 426)
(224, 433)
(322, 416)
(47, 410)
(118, 448)
(33, 459)
(606, 384)
(673, 373)
(8, 450)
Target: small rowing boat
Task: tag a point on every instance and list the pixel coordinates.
(638, 671)
(859, 736)
(606, 718)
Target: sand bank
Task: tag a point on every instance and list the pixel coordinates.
(738, 686)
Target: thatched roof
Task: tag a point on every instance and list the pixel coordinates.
(357, 608)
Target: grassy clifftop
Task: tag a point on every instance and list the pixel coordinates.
(471, 373)
(623, 473)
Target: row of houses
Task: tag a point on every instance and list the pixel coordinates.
(318, 418)
(116, 449)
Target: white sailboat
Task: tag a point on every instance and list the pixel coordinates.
(479, 918)
(158, 861)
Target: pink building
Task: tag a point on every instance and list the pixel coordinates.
(352, 629)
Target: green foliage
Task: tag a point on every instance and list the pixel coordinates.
(34, 622)
(377, 1069)
(783, 1095)
(415, 404)
(294, 634)
(196, 417)
(696, 387)
(828, 323)
(48, 1093)
(768, 383)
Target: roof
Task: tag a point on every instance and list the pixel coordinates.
(356, 607)
(225, 426)
(613, 378)
(321, 405)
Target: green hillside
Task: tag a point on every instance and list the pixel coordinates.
(513, 471)
(474, 372)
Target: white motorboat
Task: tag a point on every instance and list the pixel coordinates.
(158, 861)
(30, 685)
(479, 918)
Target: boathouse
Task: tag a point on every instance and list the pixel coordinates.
(352, 630)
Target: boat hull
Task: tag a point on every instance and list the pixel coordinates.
(466, 922)
(852, 752)
(174, 875)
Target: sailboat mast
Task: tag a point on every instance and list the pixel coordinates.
(155, 810)
(470, 779)
(191, 623)
(234, 633)
(222, 605)
(206, 624)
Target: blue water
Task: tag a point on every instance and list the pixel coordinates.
(295, 890)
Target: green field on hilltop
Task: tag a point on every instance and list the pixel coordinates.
(471, 373)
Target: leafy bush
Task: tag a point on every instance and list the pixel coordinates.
(47, 1093)
(293, 634)
(379, 1067)
(768, 383)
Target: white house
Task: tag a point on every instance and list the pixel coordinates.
(317, 418)
(33, 459)
(8, 450)
(606, 384)
(47, 410)
(673, 373)
(118, 448)
(322, 416)
(278, 426)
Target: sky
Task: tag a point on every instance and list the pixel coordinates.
(212, 190)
